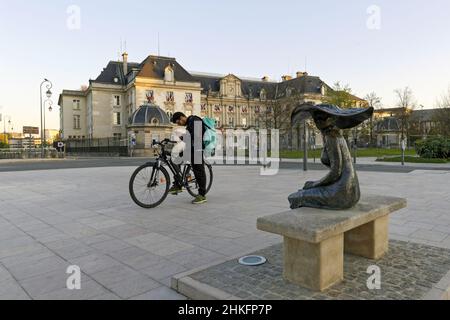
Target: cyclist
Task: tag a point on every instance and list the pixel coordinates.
(193, 125)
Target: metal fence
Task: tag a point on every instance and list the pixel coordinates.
(29, 153)
(100, 146)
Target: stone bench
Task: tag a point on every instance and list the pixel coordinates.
(315, 239)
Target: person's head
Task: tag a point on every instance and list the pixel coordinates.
(323, 120)
(179, 118)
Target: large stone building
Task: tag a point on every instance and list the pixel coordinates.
(417, 124)
(106, 107)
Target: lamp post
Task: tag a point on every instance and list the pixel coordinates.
(355, 144)
(305, 148)
(422, 127)
(48, 84)
(4, 127)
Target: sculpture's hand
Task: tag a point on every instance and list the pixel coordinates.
(309, 185)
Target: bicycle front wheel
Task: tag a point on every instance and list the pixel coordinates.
(149, 186)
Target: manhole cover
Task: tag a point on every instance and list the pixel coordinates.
(252, 261)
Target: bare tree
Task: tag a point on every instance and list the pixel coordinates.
(373, 101)
(340, 96)
(405, 100)
(277, 112)
(441, 116)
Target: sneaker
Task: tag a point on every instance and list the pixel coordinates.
(175, 190)
(199, 200)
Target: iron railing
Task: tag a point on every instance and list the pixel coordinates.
(101, 146)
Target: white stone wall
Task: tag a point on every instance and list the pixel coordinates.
(103, 107)
(160, 98)
(68, 113)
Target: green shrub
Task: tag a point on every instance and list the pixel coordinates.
(436, 148)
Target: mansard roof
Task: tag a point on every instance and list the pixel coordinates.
(388, 124)
(154, 67)
(114, 70)
(304, 85)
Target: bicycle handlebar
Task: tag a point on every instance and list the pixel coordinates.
(164, 142)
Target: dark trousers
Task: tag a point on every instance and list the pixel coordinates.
(200, 175)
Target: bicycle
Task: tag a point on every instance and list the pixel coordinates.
(149, 184)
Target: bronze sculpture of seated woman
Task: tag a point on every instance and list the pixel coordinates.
(340, 188)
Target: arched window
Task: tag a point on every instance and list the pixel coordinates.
(155, 122)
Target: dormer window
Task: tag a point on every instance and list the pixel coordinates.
(288, 92)
(169, 74)
(263, 95)
(323, 90)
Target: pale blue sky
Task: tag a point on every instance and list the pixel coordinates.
(248, 38)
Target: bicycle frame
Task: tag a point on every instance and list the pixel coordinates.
(163, 159)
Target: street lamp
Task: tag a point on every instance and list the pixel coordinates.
(48, 84)
(422, 126)
(50, 103)
(355, 144)
(4, 127)
(305, 148)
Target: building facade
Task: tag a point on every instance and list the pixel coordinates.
(416, 124)
(105, 107)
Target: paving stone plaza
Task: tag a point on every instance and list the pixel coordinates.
(52, 219)
(409, 270)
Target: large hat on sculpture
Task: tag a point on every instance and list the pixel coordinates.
(345, 118)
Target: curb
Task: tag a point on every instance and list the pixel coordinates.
(196, 290)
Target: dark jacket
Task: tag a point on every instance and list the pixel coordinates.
(190, 125)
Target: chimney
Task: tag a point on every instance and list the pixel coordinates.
(125, 63)
(286, 78)
(301, 74)
(265, 79)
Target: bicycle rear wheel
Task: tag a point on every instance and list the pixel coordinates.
(192, 185)
(149, 186)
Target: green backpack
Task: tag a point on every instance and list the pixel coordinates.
(210, 136)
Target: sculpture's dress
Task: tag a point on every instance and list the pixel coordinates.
(340, 188)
